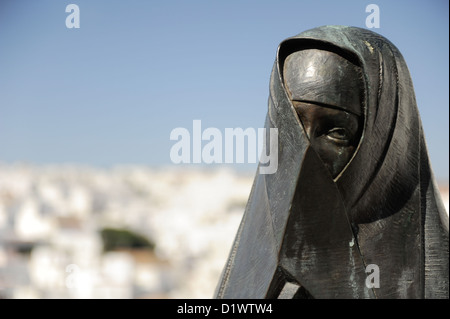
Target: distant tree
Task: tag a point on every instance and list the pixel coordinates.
(117, 238)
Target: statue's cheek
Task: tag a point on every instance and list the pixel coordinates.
(334, 157)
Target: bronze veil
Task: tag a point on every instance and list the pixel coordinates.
(305, 234)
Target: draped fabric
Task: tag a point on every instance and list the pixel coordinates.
(307, 235)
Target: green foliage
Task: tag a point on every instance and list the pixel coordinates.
(115, 238)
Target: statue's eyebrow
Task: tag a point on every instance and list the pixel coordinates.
(326, 105)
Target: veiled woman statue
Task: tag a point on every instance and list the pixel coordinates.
(353, 210)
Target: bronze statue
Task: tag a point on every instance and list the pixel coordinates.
(354, 188)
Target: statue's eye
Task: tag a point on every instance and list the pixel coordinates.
(339, 134)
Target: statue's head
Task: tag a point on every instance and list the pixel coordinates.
(353, 187)
(326, 90)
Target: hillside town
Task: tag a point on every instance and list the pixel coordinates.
(51, 217)
(53, 220)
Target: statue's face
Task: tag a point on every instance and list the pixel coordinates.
(334, 134)
(326, 91)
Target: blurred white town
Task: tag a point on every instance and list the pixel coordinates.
(126, 232)
(52, 217)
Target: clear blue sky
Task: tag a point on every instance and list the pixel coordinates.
(112, 91)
